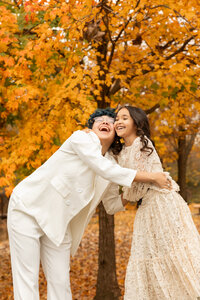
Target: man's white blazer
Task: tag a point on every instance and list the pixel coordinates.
(69, 185)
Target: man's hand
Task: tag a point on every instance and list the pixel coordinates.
(158, 178)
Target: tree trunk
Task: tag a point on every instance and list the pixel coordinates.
(107, 286)
(184, 148)
(182, 166)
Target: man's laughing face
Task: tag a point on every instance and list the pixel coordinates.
(103, 126)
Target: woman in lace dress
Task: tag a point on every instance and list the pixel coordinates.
(165, 254)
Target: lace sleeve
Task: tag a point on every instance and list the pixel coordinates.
(133, 157)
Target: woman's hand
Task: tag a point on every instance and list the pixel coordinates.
(87, 130)
(124, 201)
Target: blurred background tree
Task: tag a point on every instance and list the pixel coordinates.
(60, 60)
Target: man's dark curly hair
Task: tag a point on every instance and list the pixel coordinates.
(110, 112)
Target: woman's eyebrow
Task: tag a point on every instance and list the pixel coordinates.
(123, 116)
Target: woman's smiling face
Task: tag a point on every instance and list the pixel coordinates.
(124, 124)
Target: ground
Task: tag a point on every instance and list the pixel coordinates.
(84, 264)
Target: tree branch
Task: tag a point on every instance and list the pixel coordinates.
(174, 10)
(137, 4)
(180, 49)
(152, 109)
(190, 143)
(115, 41)
(107, 27)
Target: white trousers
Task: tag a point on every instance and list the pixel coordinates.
(29, 245)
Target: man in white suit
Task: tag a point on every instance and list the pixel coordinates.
(49, 210)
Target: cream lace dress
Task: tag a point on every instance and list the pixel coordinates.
(165, 254)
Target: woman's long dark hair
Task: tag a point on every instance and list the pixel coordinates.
(142, 130)
(142, 126)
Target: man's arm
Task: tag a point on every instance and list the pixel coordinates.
(111, 199)
(87, 147)
(158, 178)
